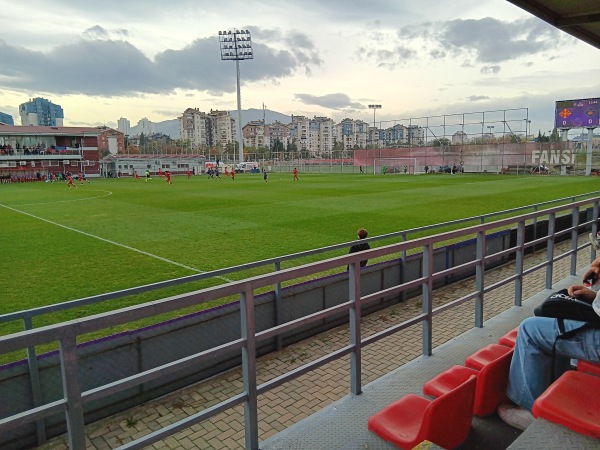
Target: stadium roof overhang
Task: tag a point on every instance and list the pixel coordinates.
(580, 18)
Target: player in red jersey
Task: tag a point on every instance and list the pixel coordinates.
(70, 182)
(296, 174)
(136, 176)
(189, 174)
(160, 172)
(168, 177)
(232, 175)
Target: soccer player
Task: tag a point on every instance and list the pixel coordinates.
(147, 175)
(265, 175)
(189, 174)
(70, 182)
(232, 175)
(168, 177)
(160, 172)
(296, 174)
(136, 176)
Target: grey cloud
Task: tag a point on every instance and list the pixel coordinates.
(488, 41)
(490, 70)
(491, 40)
(331, 101)
(397, 56)
(105, 67)
(475, 98)
(100, 33)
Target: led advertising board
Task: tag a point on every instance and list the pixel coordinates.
(577, 113)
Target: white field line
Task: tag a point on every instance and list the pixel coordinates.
(193, 269)
(71, 200)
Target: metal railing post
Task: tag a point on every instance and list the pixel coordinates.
(574, 239)
(248, 330)
(595, 214)
(354, 314)
(479, 278)
(403, 266)
(72, 391)
(34, 381)
(550, 249)
(427, 295)
(277, 305)
(519, 257)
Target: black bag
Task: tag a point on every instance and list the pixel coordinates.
(562, 306)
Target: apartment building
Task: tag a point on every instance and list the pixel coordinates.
(352, 133)
(223, 127)
(194, 127)
(41, 112)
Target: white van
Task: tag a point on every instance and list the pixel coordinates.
(246, 167)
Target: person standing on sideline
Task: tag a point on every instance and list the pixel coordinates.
(296, 174)
(265, 175)
(361, 169)
(362, 234)
(168, 177)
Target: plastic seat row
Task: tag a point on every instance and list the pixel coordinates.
(573, 400)
(477, 388)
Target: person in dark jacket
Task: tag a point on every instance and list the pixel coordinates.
(362, 234)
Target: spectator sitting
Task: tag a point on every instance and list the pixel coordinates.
(531, 366)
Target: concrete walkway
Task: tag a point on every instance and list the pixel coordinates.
(288, 404)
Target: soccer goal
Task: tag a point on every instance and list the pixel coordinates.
(383, 166)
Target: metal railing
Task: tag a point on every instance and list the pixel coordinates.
(66, 334)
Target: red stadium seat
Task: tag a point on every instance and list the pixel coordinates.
(445, 421)
(491, 385)
(486, 355)
(593, 368)
(572, 401)
(509, 338)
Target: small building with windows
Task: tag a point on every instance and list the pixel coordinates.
(36, 151)
(121, 165)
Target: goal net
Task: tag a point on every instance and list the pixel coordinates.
(384, 166)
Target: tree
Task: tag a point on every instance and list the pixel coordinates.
(278, 146)
(443, 142)
(542, 138)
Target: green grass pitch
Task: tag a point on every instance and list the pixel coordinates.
(59, 244)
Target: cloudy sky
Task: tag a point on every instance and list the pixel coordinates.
(134, 59)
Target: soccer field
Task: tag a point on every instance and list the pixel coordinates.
(60, 244)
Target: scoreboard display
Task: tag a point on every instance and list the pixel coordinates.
(577, 113)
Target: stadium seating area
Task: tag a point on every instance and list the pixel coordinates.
(481, 385)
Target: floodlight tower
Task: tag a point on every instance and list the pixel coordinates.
(375, 108)
(236, 46)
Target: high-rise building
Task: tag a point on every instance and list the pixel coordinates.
(6, 119)
(39, 111)
(313, 135)
(124, 126)
(352, 133)
(223, 127)
(145, 126)
(194, 127)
